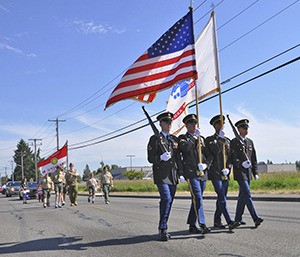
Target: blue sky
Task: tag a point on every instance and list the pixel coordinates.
(58, 55)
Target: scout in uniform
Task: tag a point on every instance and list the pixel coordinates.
(163, 153)
(244, 168)
(218, 148)
(194, 172)
(59, 181)
(47, 186)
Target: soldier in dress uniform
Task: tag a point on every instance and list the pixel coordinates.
(163, 153)
(216, 146)
(194, 172)
(244, 161)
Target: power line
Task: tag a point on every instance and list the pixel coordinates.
(264, 22)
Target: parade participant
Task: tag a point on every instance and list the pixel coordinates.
(244, 161)
(194, 172)
(58, 180)
(92, 187)
(163, 153)
(71, 178)
(106, 180)
(219, 173)
(47, 186)
(24, 190)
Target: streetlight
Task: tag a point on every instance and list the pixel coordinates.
(130, 156)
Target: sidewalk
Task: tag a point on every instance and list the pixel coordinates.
(211, 196)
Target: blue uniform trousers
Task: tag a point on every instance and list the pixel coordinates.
(221, 188)
(196, 211)
(167, 193)
(244, 198)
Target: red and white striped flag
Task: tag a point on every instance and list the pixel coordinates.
(59, 158)
(169, 60)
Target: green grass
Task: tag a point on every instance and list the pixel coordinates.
(284, 182)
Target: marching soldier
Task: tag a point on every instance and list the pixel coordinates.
(244, 167)
(194, 172)
(217, 172)
(164, 155)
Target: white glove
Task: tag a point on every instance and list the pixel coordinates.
(246, 164)
(222, 133)
(197, 133)
(202, 166)
(225, 172)
(256, 177)
(181, 178)
(165, 156)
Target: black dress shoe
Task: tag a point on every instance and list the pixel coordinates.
(258, 222)
(219, 225)
(194, 230)
(163, 235)
(205, 229)
(242, 222)
(232, 225)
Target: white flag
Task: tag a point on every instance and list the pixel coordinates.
(183, 93)
(180, 96)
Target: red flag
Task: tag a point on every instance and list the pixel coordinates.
(169, 60)
(59, 158)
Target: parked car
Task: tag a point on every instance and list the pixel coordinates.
(12, 188)
(31, 190)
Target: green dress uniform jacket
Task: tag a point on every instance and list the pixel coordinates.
(214, 151)
(164, 171)
(238, 157)
(189, 150)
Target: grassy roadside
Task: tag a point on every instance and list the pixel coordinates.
(278, 183)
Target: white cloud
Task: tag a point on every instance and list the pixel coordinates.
(5, 46)
(90, 27)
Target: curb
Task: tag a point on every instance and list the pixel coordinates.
(267, 198)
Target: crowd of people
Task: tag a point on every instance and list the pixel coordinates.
(196, 159)
(66, 183)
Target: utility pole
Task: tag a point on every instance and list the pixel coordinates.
(57, 136)
(35, 161)
(22, 164)
(12, 170)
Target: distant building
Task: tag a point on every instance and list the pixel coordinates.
(119, 172)
(285, 167)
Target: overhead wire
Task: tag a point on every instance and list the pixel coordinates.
(261, 24)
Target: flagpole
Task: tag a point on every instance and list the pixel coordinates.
(201, 173)
(218, 83)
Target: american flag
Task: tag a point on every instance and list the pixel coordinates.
(169, 60)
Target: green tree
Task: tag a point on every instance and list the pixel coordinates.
(24, 151)
(114, 166)
(86, 173)
(131, 174)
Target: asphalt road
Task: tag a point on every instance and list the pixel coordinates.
(128, 227)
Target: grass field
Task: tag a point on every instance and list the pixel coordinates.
(279, 183)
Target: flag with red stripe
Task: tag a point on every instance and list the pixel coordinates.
(59, 158)
(169, 60)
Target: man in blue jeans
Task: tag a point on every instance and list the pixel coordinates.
(195, 172)
(218, 152)
(163, 153)
(244, 161)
